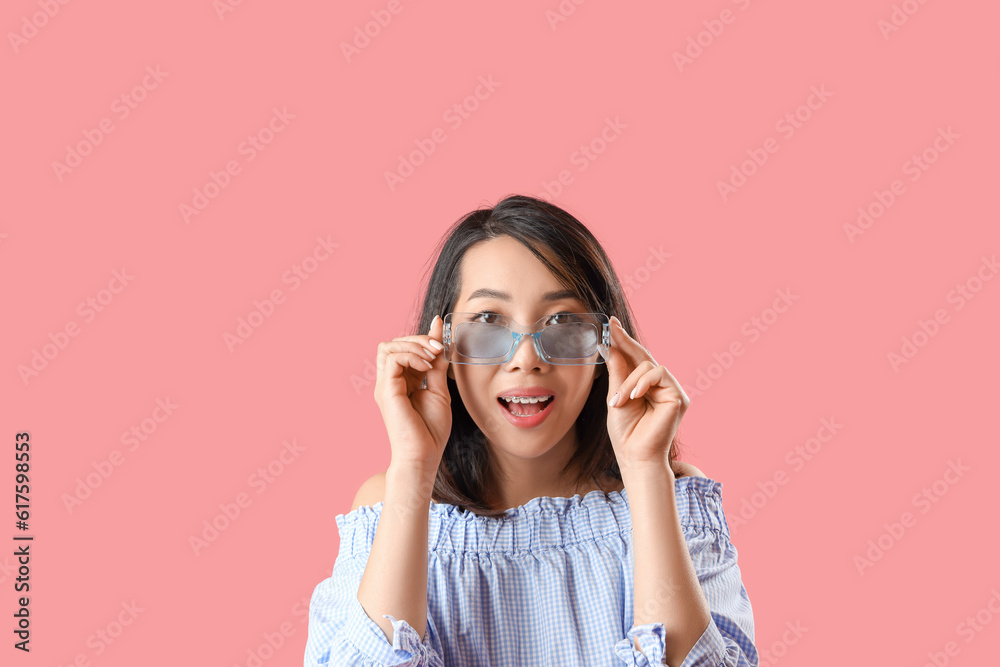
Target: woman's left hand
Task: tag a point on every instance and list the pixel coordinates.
(642, 425)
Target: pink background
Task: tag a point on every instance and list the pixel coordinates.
(301, 377)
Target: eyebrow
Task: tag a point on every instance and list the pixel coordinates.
(487, 293)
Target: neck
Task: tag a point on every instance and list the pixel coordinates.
(518, 480)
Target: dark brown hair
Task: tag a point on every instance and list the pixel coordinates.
(572, 253)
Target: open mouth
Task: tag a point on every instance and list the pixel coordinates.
(525, 409)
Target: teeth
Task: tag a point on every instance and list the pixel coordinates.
(525, 399)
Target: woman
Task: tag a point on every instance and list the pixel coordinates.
(534, 511)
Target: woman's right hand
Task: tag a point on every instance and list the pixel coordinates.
(417, 420)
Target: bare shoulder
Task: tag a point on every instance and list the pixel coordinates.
(371, 491)
(683, 469)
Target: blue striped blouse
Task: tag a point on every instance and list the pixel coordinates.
(548, 584)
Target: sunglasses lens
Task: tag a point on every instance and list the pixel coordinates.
(571, 341)
(482, 340)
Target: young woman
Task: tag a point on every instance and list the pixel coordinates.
(534, 511)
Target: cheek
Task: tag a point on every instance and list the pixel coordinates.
(580, 398)
(578, 390)
(473, 385)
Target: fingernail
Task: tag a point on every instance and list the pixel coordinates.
(436, 344)
(632, 395)
(614, 399)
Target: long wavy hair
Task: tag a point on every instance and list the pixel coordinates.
(570, 251)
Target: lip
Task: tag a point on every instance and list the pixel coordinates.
(532, 420)
(528, 391)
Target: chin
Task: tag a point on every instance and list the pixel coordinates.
(528, 445)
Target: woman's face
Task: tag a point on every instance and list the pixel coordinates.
(519, 283)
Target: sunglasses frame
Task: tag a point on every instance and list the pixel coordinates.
(534, 334)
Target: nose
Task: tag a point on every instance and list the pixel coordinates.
(526, 354)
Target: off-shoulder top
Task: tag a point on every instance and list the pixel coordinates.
(549, 583)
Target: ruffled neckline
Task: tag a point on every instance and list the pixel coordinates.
(560, 505)
(544, 522)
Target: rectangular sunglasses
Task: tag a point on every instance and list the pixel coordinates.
(571, 339)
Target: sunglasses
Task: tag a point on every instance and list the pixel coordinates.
(571, 339)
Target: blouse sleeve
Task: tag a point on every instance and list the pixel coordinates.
(341, 634)
(728, 641)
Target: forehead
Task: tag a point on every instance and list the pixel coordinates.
(505, 265)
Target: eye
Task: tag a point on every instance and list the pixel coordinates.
(562, 318)
(487, 316)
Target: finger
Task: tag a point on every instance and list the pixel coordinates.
(625, 389)
(629, 346)
(393, 368)
(625, 355)
(417, 347)
(397, 362)
(658, 385)
(424, 341)
(676, 383)
(437, 376)
(618, 366)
